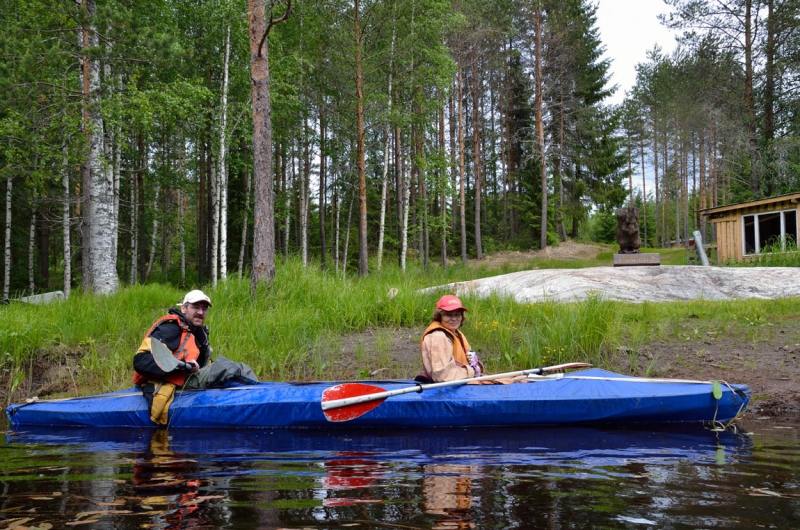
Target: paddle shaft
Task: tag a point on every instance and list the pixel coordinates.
(419, 388)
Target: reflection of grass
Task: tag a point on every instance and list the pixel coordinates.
(293, 330)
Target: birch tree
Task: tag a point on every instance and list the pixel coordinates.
(223, 164)
(7, 246)
(65, 223)
(386, 143)
(99, 265)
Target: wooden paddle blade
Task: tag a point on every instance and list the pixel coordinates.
(350, 390)
(163, 356)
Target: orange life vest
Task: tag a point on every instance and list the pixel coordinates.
(187, 350)
(460, 344)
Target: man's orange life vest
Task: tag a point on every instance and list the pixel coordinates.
(187, 350)
(460, 344)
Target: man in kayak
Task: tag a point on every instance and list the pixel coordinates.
(446, 353)
(183, 334)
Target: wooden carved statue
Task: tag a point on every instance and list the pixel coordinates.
(628, 230)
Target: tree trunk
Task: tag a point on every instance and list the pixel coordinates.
(134, 229)
(223, 167)
(406, 208)
(387, 132)
(264, 205)
(476, 151)
(288, 190)
(539, 108)
(562, 230)
(303, 164)
(7, 254)
(443, 187)
(214, 232)
(398, 182)
(246, 221)
(361, 168)
(644, 188)
(665, 191)
(748, 94)
(154, 235)
(99, 265)
(384, 190)
(676, 182)
(323, 168)
(426, 240)
(461, 196)
(337, 236)
(182, 205)
(703, 189)
(65, 229)
(32, 253)
(202, 210)
(347, 236)
(656, 237)
(453, 120)
(117, 188)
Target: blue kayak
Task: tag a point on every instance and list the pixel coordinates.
(585, 397)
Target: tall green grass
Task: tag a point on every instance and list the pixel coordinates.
(774, 256)
(294, 330)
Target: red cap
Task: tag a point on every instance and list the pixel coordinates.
(449, 303)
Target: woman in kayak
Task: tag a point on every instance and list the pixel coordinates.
(446, 353)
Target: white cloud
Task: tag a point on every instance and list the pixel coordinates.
(629, 29)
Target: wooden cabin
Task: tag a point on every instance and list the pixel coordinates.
(744, 229)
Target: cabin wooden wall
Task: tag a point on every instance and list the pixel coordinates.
(729, 238)
(729, 228)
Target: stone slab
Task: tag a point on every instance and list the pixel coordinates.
(628, 260)
(43, 298)
(667, 283)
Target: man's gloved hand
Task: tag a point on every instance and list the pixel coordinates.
(472, 358)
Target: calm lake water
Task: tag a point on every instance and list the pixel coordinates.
(670, 477)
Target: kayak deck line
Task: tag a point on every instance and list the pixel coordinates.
(529, 378)
(645, 380)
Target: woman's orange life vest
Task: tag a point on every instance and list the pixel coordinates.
(187, 350)
(460, 344)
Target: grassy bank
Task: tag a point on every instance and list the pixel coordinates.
(296, 329)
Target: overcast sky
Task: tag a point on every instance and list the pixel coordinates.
(629, 29)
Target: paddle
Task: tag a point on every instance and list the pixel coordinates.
(164, 358)
(348, 401)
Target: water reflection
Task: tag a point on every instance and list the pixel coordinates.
(165, 487)
(447, 489)
(351, 471)
(438, 478)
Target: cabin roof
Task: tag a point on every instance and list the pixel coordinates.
(791, 197)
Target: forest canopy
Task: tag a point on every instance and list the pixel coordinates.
(172, 141)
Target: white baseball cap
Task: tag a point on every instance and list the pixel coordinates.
(192, 297)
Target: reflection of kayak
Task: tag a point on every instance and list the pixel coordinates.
(587, 397)
(589, 446)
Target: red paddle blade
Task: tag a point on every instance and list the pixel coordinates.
(350, 390)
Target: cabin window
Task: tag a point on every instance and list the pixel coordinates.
(769, 231)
